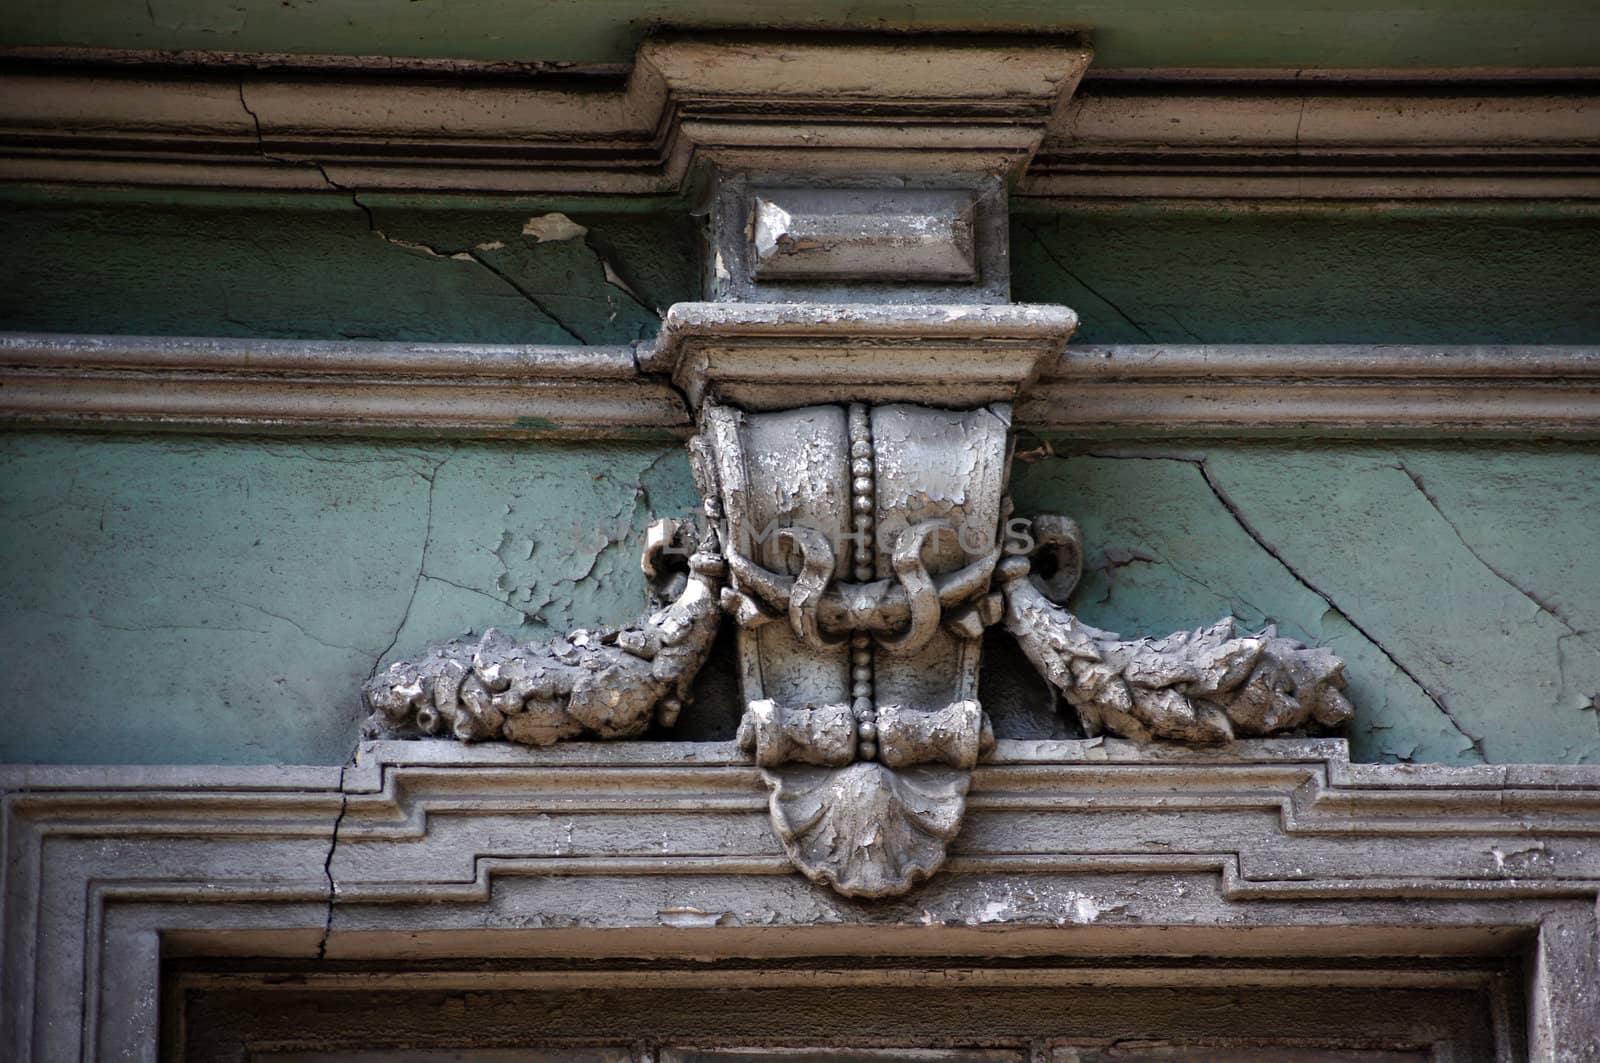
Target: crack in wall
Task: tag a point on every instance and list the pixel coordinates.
(327, 860)
(1543, 605)
(1255, 536)
(532, 299)
(1592, 698)
(1228, 596)
(612, 276)
(261, 149)
(615, 278)
(1086, 286)
(469, 590)
(298, 627)
(471, 255)
(422, 562)
(1299, 122)
(622, 522)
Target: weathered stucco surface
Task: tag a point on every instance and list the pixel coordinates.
(323, 267)
(328, 267)
(1460, 582)
(1314, 274)
(191, 599)
(194, 600)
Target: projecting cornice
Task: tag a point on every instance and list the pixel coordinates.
(1364, 135)
(973, 103)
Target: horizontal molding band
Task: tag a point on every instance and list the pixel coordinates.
(231, 122)
(1335, 135)
(344, 387)
(1328, 390)
(975, 102)
(529, 392)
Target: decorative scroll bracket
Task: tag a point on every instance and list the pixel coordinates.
(853, 385)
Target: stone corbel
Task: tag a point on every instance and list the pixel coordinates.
(853, 382)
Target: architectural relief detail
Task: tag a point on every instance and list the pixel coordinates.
(859, 663)
(577, 852)
(861, 551)
(593, 684)
(853, 387)
(1204, 686)
(867, 830)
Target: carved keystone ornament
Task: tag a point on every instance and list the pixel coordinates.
(853, 448)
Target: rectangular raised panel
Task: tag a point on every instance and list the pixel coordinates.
(863, 235)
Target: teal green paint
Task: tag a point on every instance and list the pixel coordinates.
(1276, 33)
(1448, 275)
(1447, 590)
(220, 600)
(324, 268)
(318, 267)
(204, 599)
(200, 600)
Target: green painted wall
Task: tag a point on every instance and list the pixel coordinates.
(1316, 274)
(321, 266)
(1459, 583)
(192, 599)
(1273, 33)
(185, 599)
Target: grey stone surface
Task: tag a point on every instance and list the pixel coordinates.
(910, 235)
(858, 668)
(1093, 848)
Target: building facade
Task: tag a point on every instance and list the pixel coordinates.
(346, 383)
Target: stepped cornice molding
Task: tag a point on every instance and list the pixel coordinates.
(975, 103)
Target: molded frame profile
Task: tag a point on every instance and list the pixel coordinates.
(431, 849)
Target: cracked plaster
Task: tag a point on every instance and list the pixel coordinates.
(1448, 661)
(296, 568)
(288, 570)
(334, 266)
(1494, 531)
(1307, 273)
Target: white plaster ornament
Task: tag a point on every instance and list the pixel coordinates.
(861, 551)
(853, 449)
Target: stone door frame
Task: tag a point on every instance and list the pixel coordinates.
(1073, 848)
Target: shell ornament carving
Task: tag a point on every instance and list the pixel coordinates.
(867, 830)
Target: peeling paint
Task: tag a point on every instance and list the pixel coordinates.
(303, 565)
(554, 227)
